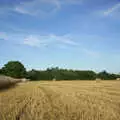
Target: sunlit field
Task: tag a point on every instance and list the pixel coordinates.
(61, 100)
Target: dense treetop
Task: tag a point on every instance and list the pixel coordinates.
(14, 69)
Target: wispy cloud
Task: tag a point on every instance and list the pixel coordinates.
(32, 41)
(40, 40)
(66, 39)
(38, 7)
(112, 9)
(49, 40)
(42, 7)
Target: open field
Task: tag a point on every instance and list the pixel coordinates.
(73, 100)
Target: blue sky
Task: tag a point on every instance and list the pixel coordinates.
(77, 34)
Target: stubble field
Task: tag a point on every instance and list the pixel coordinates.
(61, 100)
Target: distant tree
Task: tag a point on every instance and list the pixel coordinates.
(14, 69)
(54, 72)
(103, 75)
(32, 75)
(39, 75)
(86, 75)
(106, 76)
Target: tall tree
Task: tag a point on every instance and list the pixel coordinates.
(14, 69)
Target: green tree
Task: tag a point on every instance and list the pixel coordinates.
(39, 75)
(14, 69)
(106, 76)
(86, 75)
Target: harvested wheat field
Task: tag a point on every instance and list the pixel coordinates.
(62, 100)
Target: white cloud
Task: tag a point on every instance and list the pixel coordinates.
(38, 7)
(35, 40)
(112, 9)
(49, 40)
(31, 41)
(43, 7)
(23, 11)
(69, 41)
(54, 41)
(66, 39)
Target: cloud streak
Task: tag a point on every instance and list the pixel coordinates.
(66, 42)
(112, 9)
(49, 40)
(39, 40)
(40, 8)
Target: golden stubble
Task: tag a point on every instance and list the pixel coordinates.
(61, 100)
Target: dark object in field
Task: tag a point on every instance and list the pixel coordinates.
(6, 82)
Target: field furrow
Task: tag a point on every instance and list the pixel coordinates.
(79, 100)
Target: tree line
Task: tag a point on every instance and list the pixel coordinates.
(16, 69)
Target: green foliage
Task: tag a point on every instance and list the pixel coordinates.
(14, 69)
(106, 76)
(64, 74)
(86, 75)
(60, 74)
(38, 75)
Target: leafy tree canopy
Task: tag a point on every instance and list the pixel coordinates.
(14, 69)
